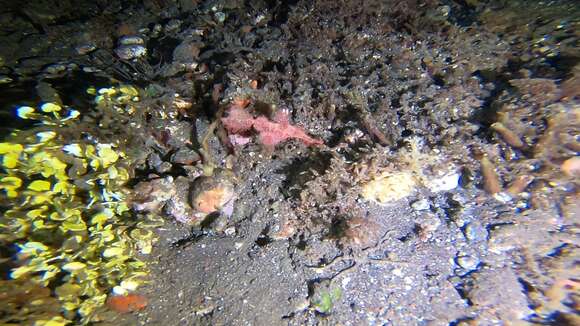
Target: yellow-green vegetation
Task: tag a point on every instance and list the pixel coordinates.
(65, 211)
(325, 302)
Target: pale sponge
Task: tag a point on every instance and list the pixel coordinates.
(389, 187)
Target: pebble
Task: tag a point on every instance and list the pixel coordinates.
(5, 79)
(421, 205)
(157, 28)
(55, 69)
(91, 69)
(85, 49)
(474, 232)
(172, 25)
(129, 52)
(186, 52)
(571, 166)
(131, 40)
(429, 223)
(230, 231)
(205, 311)
(185, 157)
(220, 17)
(468, 263)
(345, 282)
(164, 167)
(211, 194)
(154, 160)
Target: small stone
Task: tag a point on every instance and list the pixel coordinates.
(502, 197)
(55, 69)
(474, 232)
(5, 79)
(154, 160)
(129, 52)
(421, 205)
(212, 194)
(164, 167)
(172, 25)
(428, 224)
(469, 263)
(186, 52)
(131, 40)
(220, 17)
(85, 49)
(185, 157)
(230, 231)
(157, 28)
(91, 69)
(151, 195)
(571, 166)
(202, 311)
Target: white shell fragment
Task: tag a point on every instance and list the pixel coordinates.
(443, 182)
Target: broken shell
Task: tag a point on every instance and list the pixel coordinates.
(211, 194)
(445, 179)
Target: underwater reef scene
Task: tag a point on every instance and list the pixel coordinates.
(184, 162)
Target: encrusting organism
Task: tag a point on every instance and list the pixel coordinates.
(270, 132)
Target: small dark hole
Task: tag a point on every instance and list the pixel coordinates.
(263, 240)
